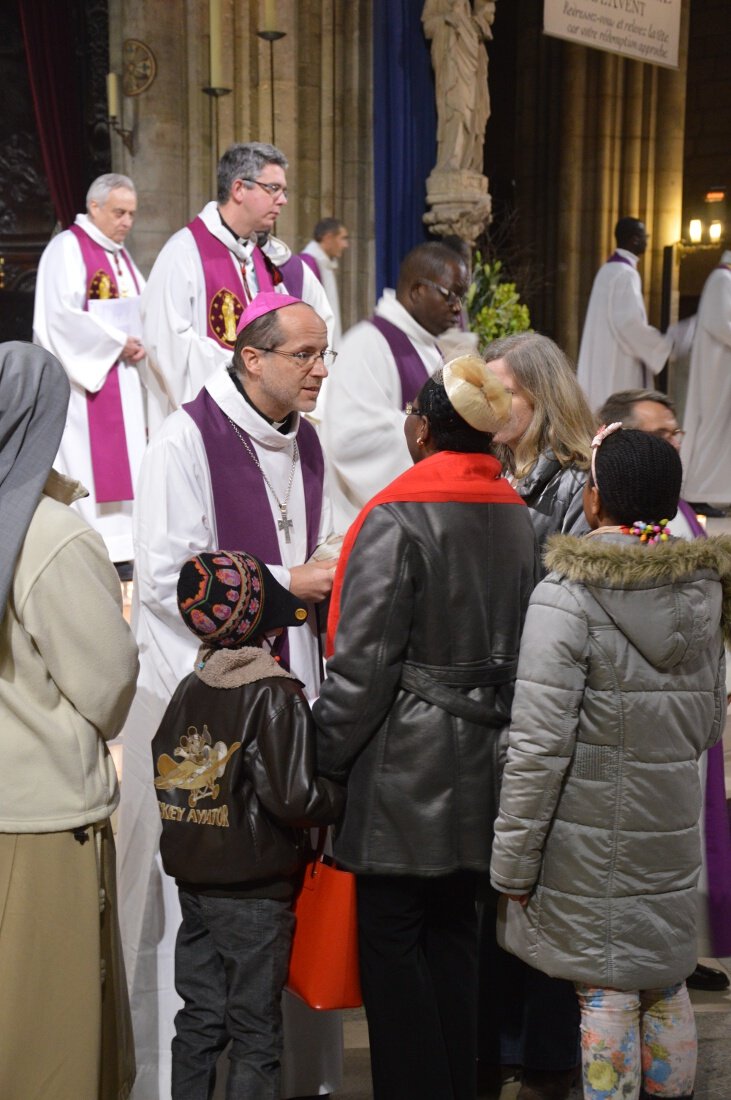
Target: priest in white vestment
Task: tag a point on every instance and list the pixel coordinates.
(619, 349)
(208, 271)
(707, 446)
(186, 505)
(86, 263)
(329, 241)
(382, 364)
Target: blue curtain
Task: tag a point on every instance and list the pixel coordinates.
(404, 132)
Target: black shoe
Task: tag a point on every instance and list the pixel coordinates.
(124, 570)
(708, 510)
(708, 979)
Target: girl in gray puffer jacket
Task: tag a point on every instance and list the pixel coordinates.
(620, 689)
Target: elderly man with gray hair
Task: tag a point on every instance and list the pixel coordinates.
(85, 315)
(211, 269)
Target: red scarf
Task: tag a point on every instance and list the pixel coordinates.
(443, 477)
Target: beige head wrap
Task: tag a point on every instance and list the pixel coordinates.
(476, 393)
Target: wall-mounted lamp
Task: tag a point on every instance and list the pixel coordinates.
(114, 111)
(695, 230)
(714, 231)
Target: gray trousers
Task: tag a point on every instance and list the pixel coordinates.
(231, 960)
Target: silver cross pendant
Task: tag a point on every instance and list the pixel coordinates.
(285, 524)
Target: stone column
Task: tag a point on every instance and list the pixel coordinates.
(322, 99)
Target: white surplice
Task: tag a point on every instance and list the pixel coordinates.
(362, 429)
(619, 349)
(175, 518)
(706, 450)
(328, 267)
(175, 306)
(88, 347)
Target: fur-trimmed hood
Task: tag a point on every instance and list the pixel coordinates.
(656, 595)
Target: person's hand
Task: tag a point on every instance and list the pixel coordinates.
(522, 899)
(312, 581)
(133, 350)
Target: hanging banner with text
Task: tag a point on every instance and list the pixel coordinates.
(646, 30)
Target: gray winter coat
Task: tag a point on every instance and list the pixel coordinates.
(620, 689)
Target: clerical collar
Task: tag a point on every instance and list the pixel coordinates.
(282, 426)
(227, 227)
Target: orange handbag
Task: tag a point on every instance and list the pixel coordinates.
(323, 966)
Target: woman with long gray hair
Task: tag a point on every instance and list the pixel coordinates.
(546, 446)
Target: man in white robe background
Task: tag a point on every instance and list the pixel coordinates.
(377, 375)
(187, 333)
(707, 445)
(329, 241)
(176, 515)
(89, 345)
(619, 349)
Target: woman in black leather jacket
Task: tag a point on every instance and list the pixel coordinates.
(527, 1019)
(546, 445)
(440, 567)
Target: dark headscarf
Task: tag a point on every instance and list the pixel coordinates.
(34, 397)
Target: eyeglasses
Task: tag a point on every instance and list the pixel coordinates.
(668, 435)
(305, 359)
(272, 189)
(411, 409)
(449, 296)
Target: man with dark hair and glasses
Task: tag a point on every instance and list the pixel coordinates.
(653, 412)
(382, 364)
(238, 466)
(208, 272)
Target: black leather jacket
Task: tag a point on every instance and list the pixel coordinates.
(414, 709)
(235, 779)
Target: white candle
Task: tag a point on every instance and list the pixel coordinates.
(214, 20)
(270, 15)
(113, 95)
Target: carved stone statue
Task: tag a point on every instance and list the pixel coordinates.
(458, 34)
(457, 189)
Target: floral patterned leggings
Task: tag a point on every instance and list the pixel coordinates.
(641, 1040)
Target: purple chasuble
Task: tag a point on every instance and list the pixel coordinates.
(225, 294)
(293, 272)
(244, 518)
(239, 492)
(691, 519)
(717, 828)
(409, 364)
(107, 436)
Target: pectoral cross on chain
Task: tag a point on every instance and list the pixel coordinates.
(285, 524)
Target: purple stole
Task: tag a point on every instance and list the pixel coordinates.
(107, 435)
(293, 272)
(411, 370)
(717, 826)
(244, 519)
(615, 258)
(224, 292)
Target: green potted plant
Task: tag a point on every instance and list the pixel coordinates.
(493, 305)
